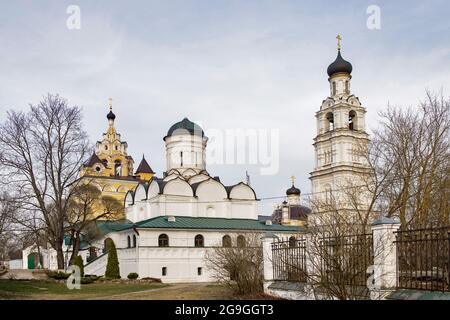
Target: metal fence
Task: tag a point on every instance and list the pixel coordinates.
(289, 260)
(423, 259)
(346, 259)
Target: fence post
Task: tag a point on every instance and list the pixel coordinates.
(384, 258)
(267, 241)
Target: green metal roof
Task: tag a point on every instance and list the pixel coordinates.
(104, 227)
(212, 223)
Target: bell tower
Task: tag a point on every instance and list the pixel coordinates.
(111, 157)
(341, 140)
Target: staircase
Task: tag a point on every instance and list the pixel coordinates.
(97, 266)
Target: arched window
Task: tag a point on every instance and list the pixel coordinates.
(241, 241)
(107, 244)
(117, 168)
(334, 88)
(181, 158)
(347, 89)
(128, 242)
(352, 120)
(292, 241)
(199, 241)
(329, 121)
(163, 240)
(134, 241)
(226, 241)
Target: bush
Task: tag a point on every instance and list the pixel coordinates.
(58, 275)
(240, 268)
(112, 268)
(78, 261)
(86, 280)
(133, 276)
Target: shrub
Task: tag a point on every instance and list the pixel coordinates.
(133, 276)
(58, 275)
(78, 261)
(86, 280)
(112, 268)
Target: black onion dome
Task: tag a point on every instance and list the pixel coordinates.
(185, 126)
(111, 115)
(339, 66)
(292, 190)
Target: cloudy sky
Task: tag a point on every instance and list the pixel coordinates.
(226, 64)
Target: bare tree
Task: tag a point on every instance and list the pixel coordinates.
(410, 154)
(42, 151)
(240, 266)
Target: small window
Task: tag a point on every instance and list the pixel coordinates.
(241, 241)
(97, 169)
(134, 241)
(117, 168)
(163, 240)
(352, 120)
(330, 121)
(199, 271)
(199, 241)
(226, 241)
(128, 242)
(164, 271)
(117, 148)
(106, 147)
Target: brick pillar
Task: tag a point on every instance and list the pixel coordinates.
(385, 258)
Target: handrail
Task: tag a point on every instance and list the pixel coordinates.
(96, 258)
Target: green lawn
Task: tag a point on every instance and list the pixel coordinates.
(19, 289)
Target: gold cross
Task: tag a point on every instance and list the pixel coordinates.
(339, 38)
(110, 104)
(293, 179)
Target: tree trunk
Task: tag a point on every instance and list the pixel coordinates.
(60, 255)
(75, 247)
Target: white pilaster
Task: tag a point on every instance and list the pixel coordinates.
(385, 257)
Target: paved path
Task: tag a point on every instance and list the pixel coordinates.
(25, 274)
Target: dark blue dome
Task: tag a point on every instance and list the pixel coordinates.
(111, 116)
(185, 126)
(293, 190)
(339, 66)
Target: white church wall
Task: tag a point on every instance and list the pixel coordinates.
(140, 193)
(181, 264)
(178, 187)
(243, 210)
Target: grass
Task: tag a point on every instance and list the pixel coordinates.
(46, 290)
(21, 289)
